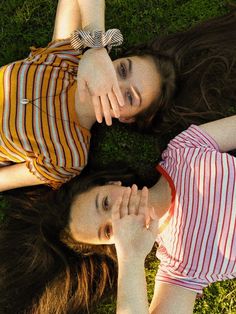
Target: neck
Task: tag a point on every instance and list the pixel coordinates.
(85, 111)
(160, 198)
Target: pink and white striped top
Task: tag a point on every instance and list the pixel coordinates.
(198, 246)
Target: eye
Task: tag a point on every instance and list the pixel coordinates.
(105, 203)
(130, 97)
(122, 70)
(108, 231)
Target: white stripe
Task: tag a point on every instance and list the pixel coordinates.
(65, 116)
(52, 118)
(21, 109)
(201, 269)
(37, 112)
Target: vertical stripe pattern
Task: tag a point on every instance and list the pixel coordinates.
(37, 108)
(198, 246)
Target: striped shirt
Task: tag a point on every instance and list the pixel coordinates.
(38, 124)
(198, 245)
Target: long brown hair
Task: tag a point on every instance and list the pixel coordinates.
(198, 73)
(42, 269)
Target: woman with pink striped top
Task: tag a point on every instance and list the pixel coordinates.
(190, 212)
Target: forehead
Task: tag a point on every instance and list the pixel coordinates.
(83, 216)
(85, 200)
(146, 79)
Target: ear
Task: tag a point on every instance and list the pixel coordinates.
(115, 182)
(127, 120)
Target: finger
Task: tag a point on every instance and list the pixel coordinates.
(153, 227)
(119, 96)
(143, 204)
(106, 109)
(133, 200)
(114, 104)
(148, 215)
(115, 215)
(82, 89)
(124, 210)
(97, 108)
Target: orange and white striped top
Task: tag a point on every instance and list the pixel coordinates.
(38, 122)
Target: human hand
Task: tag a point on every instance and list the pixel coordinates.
(97, 76)
(133, 239)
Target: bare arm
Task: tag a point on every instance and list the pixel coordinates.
(133, 241)
(132, 290)
(223, 131)
(96, 74)
(171, 299)
(78, 14)
(17, 176)
(132, 293)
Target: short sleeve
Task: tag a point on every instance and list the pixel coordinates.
(169, 276)
(193, 137)
(50, 174)
(57, 53)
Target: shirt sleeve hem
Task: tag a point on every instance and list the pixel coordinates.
(207, 136)
(53, 184)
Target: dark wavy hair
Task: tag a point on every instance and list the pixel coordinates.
(198, 75)
(42, 269)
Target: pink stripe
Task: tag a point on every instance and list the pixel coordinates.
(192, 215)
(225, 224)
(198, 230)
(229, 253)
(178, 218)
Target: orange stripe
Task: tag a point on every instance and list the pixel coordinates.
(2, 72)
(60, 125)
(29, 112)
(44, 115)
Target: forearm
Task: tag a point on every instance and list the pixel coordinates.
(78, 14)
(223, 132)
(132, 288)
(16, 176)
(67, 19)
(92, 14)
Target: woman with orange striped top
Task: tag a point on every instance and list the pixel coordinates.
(44, 125)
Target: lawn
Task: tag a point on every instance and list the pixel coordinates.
(26, 23)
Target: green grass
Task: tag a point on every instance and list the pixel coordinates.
(25, 23)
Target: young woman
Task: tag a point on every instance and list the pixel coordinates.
(44, 126)
(46, 116)
(190, 213)
(197, 76)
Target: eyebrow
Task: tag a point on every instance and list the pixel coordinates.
(130, 65)
(96, 203)
(97, 209)
(100, 233)
(130, 71)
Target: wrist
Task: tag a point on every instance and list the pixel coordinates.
(90, 51)
(81, 39)
(134, 259)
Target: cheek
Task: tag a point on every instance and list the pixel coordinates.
(126, 112)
